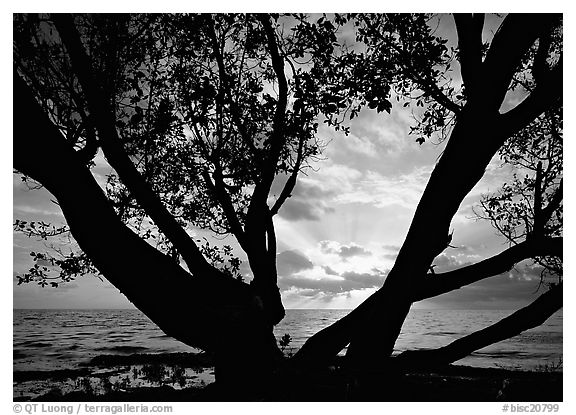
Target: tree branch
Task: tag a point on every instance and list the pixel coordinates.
(277, 138)
(219, 191)
(271, 238)
(234, 110)
(149, 279)
(426, 85)
(469, 28)
(435, 92)
(524, 319)
(91, 146)
(538, 224)
(452, 280)
(548, 92)
(514, 37)
(553, 204)
(100, 107)
(291, 183)
(540, 66)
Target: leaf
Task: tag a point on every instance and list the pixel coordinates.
(136, 118)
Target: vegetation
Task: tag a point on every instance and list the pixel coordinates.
(198, 115)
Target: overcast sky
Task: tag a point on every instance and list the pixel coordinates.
(337, 235)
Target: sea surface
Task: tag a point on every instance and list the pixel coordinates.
(63, 339)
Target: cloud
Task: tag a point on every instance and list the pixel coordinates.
(67, 286)
(367, 280)
(307, 292)
(329, 271)
(338, 184)
(343, 251)
(393, 248)
(376, 135)
(530, 271)
(361, 144)
(292, 262)
(445, 262)
(34, 203)
(463, 248)
(296, 210)
(331, 180)
(348, 281)
(342, 185)
(308, 201)
(297, 274)
(30, 210)
(353, 250)
(376, 189)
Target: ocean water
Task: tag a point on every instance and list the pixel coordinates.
(63, 339)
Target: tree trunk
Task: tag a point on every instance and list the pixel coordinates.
(480, 130)
(456, 173)
(372, 329)
(212, 312)
(265, 284)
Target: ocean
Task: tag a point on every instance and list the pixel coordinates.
(64, 339)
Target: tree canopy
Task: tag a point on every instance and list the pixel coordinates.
(196, 114)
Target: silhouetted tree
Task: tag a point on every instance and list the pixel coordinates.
(197, 115)
(525, 52)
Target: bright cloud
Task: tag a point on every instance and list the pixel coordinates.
(344, 251)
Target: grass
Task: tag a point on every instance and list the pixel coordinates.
(550, 367)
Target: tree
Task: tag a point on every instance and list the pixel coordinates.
(197, 116)
(526, 50)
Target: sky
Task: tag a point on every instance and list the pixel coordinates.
(338, 234)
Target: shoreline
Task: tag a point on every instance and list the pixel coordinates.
(190, 377)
